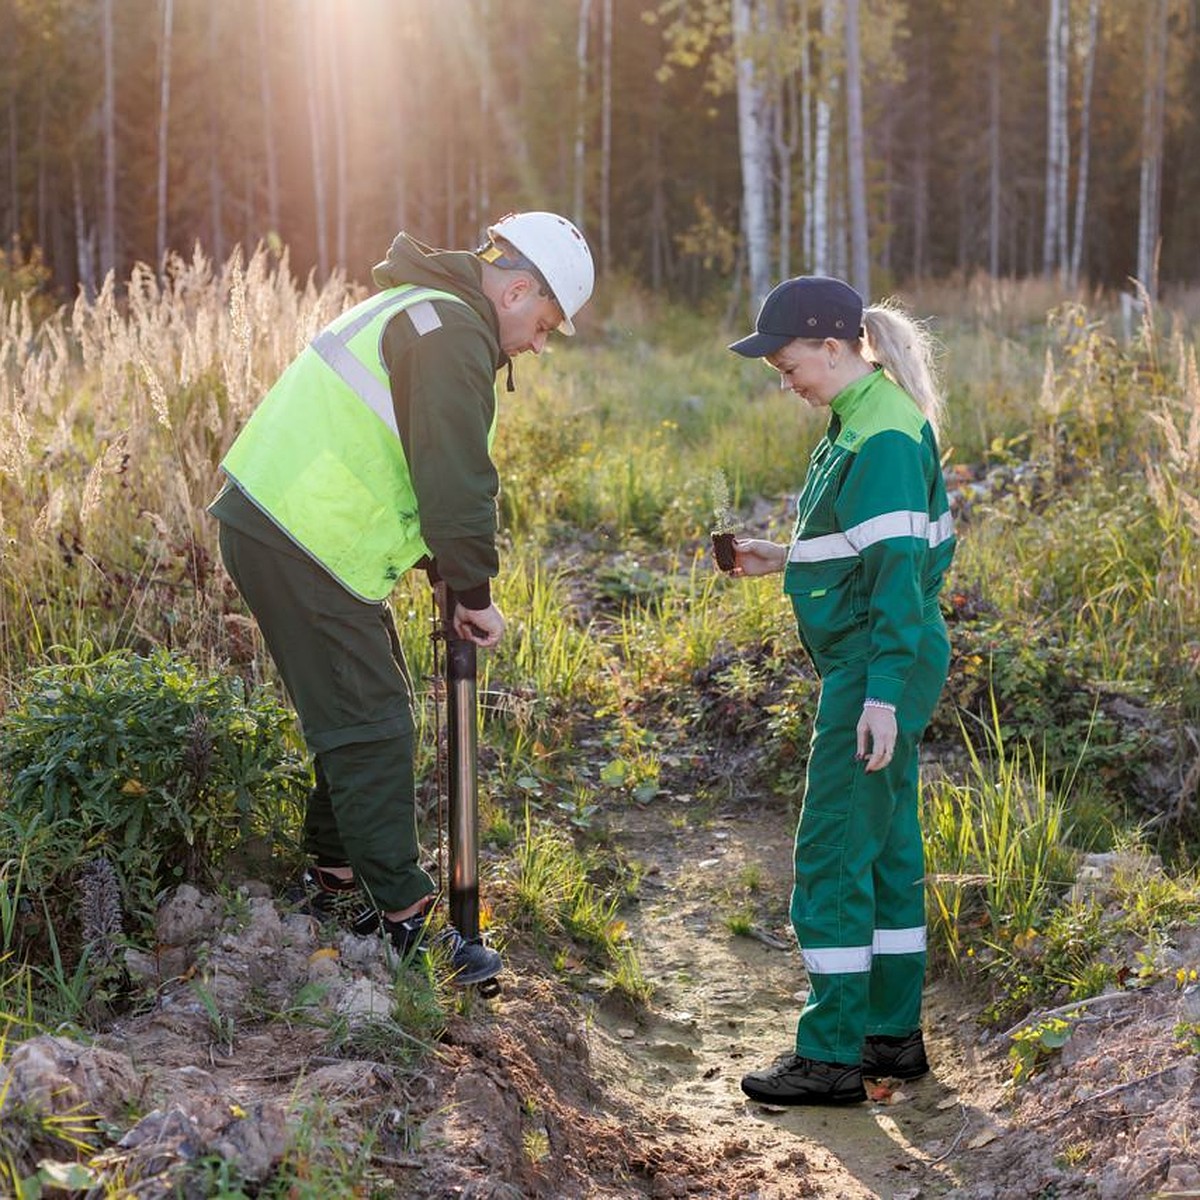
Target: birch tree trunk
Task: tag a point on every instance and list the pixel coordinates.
(267, 102)
(606, 140)
(1085, 139)
(164, 115)
(1054, 233)
(41, 229)
(921, 170)
(315, 141)
(483, 214)
(994, 172)
(860, 251)
(806, 135)
(581, 67)
(1050, 217)
(753, 134)
(1062, 250)
(826, 91)
(786, 120)
(341, 178)
(43, 232)
(656, 248)
(216, 184)
(450, 185)
(1153, 104)
(14, 186)
(84, 258)
(108, 229)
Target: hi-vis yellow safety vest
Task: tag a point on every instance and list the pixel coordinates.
(322, 457)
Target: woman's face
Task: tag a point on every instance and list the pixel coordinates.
(804, 368)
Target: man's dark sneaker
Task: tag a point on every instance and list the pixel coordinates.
(797, 1080)
(895, 1057)
(330, 898)
(470, 960)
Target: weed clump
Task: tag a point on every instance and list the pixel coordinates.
(126, 774)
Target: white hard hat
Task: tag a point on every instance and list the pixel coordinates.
(559, 252)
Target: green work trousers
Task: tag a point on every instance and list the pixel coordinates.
(858, 904)
(341, 662)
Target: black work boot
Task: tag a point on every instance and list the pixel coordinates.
(887, 1057)
(328, 897)
(470, 960)
(797, 1080)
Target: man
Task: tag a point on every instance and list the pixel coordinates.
(369, 456)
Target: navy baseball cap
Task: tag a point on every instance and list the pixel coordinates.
(809, 306)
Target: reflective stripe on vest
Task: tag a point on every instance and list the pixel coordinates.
(332, 344)
(322, 456)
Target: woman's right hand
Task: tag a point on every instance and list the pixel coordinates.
(756, 556)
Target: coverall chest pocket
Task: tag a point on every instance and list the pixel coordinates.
(824, 599)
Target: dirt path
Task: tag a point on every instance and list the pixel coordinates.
(544, 1093)
(725, 1004)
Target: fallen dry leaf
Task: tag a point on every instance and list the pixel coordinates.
(982, 1138)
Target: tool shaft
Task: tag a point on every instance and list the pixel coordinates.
(463, 821)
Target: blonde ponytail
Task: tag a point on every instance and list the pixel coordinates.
(907, 352)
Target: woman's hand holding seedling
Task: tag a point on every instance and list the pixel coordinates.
(756, 556)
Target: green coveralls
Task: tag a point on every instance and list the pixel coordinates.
(327, 511)
(872, 542)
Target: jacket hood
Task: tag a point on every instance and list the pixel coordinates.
(457, 271)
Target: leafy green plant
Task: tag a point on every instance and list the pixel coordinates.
(1033, 1044)
(1187, 1036)
(1027, 687)
(162, 769)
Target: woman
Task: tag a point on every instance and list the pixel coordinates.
(872, 541)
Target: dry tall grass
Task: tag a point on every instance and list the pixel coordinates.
(113, 417)
(115, 413)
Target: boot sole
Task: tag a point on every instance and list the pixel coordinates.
(462, 979)
(829, 1101)
(907, 1075)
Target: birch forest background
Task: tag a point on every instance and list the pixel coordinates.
(707, 147)
(189, 189)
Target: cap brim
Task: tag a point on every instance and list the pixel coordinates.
(759, 345)
(566, 326)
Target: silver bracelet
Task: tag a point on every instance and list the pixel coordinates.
(869, 703)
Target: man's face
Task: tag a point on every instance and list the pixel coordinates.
(526, 317)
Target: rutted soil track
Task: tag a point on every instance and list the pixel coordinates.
(546, 1094)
